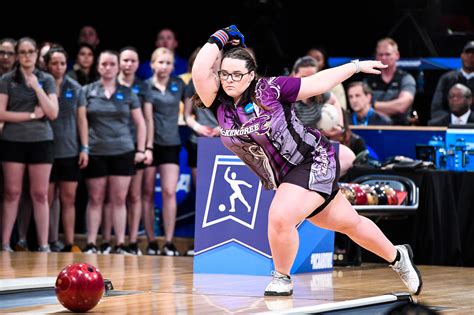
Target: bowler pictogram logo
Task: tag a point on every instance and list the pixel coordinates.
(234, 193)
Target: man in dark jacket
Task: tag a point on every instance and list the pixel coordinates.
(460, 101)
(465, 75)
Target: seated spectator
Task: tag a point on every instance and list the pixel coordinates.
(309, 110)
(321, 56)
(460, 101)
(360, 98)
(465, 75)
(394, 90)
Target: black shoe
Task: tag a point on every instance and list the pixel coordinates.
(90, 249)
(121, 249)
(170, 250)
(134, 249)
(153, 248)
(105, 248)
(56, 246)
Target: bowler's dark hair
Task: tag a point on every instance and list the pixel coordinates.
(238, 53)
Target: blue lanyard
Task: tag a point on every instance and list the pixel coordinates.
(365, 122)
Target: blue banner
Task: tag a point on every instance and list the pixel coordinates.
(232, 218)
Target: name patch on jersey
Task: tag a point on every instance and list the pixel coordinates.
(136, 89)
(259, 125)
(68, 94)
(119, 96)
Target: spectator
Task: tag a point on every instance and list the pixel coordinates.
(7, 55)
(71, 144)
(322, 58)
(111, 108)
(309, 112)
(84, 70)
(165, 38)
(465, 76)
(43, 49)
(129, 62)
(27, 95)
(88, 35)
(360, 97)
(166, 94)
(203, 123)
(460, 102)
(393, 91)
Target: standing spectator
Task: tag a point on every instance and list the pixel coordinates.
(166, 38)
(84, 70)
(7, 60)
(129, 62)
(166, 93)
(465, 76)
(71, 143)
(204, 124)
(460, 102)
(111, 108)
(43, 49)
(360, 99)
(88, 35)
(7, 55)
(27, 95)
(393, 91)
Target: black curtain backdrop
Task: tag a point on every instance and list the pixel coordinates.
(280, 31)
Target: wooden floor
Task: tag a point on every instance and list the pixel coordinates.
(167, 285)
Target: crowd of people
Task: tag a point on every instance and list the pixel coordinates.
(111, 120)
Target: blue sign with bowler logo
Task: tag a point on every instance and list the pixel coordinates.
(232, 218)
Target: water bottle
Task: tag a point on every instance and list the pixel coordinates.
(450, 158)
(460, 151)
(439, 150)
(420, 82)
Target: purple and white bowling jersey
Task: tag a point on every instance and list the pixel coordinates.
(272, 142)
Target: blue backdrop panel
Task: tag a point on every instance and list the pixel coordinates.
(388, 143)
(232, 217)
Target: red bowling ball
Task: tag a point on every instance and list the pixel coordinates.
(360, 195)
(79, 287)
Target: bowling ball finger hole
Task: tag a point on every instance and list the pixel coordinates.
(90, 269)
(63, 284)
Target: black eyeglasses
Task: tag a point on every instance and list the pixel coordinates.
(236, 77)
(6, 53)
(27, 52)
